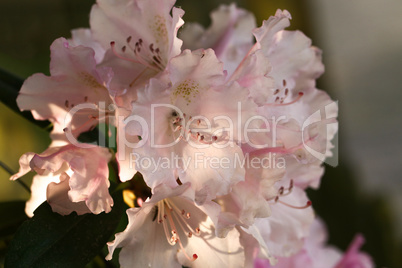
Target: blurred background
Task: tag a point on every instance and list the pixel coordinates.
(362, 45)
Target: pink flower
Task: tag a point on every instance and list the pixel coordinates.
(180, 114)
(140, 39)
(316, 254)
(230, 35)
(187, 120)
(170, 229)
(75, 79)
(353, 258)
(82, 174)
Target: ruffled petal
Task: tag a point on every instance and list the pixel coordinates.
(72, 95)
(84, 37)
(57, 197)
(87, 171)
(149, 21)
(285, 230)
(38, 192)
(229, 35)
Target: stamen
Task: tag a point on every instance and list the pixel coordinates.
(140, 201)
(280, 191)
(291, 185)
(138, 76)
(89, 121)
(139, 59)
(287, 103)
(308, 204)
(173, 237)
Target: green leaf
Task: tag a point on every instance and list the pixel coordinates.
(9, 88)
(52, 240)
(13, 216)
(90, 136)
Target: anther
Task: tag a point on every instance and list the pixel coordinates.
(155, 59)
(128, 39)
(287, 103)
(281, 190)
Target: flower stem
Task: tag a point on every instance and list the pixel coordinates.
(11, 172)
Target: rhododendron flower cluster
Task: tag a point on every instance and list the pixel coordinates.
(223, 124)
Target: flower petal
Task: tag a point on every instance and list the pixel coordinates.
(74, 80)
(229, 35)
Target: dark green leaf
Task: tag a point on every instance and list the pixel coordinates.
(52, 240)
(91, 136)
(13, 215)
(9, 88)
(103, 135)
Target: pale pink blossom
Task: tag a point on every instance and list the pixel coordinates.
(83, 173)
(248, 199)
(230, 35)
(190, 120)
(38, 192)
(84, 37)
(353, 257)
(74, 80)
(316, 254)
(170, 229)
(140, 37)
